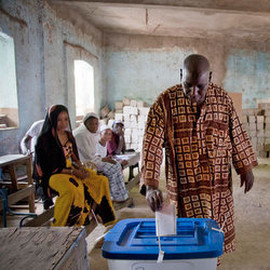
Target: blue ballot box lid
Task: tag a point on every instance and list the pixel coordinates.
(135, 239)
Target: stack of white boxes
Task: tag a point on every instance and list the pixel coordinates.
(134, 116)
(257, 125)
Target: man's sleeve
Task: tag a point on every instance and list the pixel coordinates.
(152, 146)
(35, 129)
(243, 156)
(32, 130)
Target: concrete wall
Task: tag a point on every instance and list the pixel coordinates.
(248, 72)
(47, 41)
(141, 67)
(46, 46)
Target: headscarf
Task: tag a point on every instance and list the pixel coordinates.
(50, 157)
(115, 122)
(50, 122)
(89, 115)
(104, 127)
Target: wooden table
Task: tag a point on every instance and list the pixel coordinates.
(19, 191)
(43, 248)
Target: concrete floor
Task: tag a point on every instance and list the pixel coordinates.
(252, 225)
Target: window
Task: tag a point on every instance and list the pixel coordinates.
(8, 87)
(84, 88)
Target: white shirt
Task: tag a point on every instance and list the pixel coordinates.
(33, 132)
(86, 143)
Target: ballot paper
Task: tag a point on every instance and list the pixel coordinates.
(166, 220)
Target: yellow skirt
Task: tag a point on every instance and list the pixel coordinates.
(75, 197)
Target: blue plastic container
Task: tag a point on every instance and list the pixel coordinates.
(133, 244)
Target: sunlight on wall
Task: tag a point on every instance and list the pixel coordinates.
(84, 87)
(8, 84)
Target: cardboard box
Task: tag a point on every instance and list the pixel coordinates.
(118, 116)
(260, 119)
(237, 102)
(118, 105)
(126, 101)
(252, 126)
(252, 119)
(260, 126)
(143, 110)
(133, 103)
(104, 111)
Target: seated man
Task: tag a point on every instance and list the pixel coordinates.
(87, 140)
(27, 146)
(29, 140)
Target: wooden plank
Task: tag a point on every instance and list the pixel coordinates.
(76, 256)
(19, 195)
(13, 177)
(29, 170)
(41, 248)
(12, 159)
(41, 219)
(9, 184)
(31, 202)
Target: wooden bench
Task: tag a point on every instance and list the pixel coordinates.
(133, 159)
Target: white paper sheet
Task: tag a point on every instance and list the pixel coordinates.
(166, 221)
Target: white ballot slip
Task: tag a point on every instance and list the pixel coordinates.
(166, 221)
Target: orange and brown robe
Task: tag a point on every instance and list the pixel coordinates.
(199, 154)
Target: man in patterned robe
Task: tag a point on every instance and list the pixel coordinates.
(197, 124)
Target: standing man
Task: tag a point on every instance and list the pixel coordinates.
(197, 124)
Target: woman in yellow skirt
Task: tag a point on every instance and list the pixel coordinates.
(58, 165)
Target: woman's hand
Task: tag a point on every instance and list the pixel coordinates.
(109, 160)
(80, 173)
(124, 163)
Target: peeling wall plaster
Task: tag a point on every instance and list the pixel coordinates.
(47, 43)
(45, 48)
(141, 67)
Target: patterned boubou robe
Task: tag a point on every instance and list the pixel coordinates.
(198, 154)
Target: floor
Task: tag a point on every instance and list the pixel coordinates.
(252, 225)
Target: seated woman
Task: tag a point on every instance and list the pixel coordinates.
(110, 167)
(59, 167)
(117, 148)
(117, 145)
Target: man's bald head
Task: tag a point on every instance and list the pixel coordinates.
(195, 78)
(196, 62)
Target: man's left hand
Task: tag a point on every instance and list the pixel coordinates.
(248, 179)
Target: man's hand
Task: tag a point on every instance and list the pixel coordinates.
(248, 179)
(154, 198)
